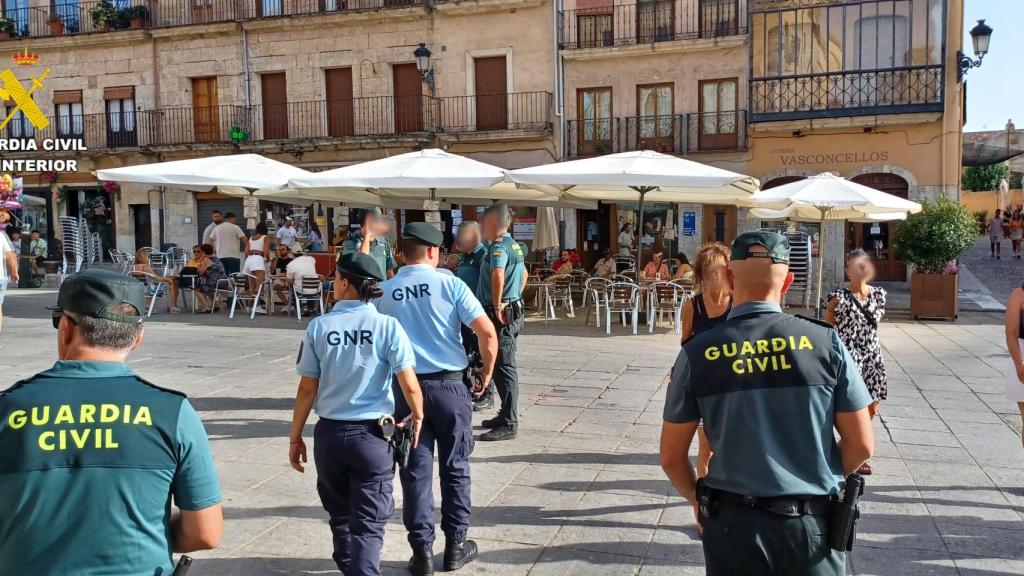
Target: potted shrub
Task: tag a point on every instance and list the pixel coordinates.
(103, 15)
(931, 241)
(6, 27)
(56, 25)
(981, 216)
(137, 15)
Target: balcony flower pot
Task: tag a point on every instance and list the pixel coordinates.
(103, 15)
(56, 26)
(933, 295)
(5, 35)
(135, 15)
(931, 241)
(6, 27)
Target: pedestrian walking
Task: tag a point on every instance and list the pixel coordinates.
(708, 308)
(770, 388)
(995, 233)
(502, 279)
(856, 312)
(432, 307)
(1016, 232)
(346, 363)
(93, 455)
(1015, 345)
(8, 270)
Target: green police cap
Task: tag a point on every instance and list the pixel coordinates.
(361, 265)
(424, 232)
(776, 245)
(96, 292)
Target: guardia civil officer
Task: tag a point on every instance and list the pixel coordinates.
(346, 363)
(502, 278)
(473, 251)
(770, 388)
(93, 454)
(432, 307)
(370, 239)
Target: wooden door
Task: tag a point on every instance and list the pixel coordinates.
(408, 90)
(876, 238)
(340, 120)
(275, 105)
(142, 219)
(594, 121)
(717, 122)
(719, 224)
(205, 110)
(655, 129)
(491, 93)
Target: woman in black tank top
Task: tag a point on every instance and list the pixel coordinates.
(709, 308)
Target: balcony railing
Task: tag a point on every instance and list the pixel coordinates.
(593, 137)
(669, 133)
(853, 93)
(488, 112)
(651, 21)
(73, 17)
(376, 116)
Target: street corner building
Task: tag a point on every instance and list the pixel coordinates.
(777, 89)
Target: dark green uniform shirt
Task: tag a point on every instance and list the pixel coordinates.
(502, 253)
(469, 267)
(768, 386)
(380, 251)
(92, 457)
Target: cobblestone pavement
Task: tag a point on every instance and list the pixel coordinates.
(999, 276)
(580, 491)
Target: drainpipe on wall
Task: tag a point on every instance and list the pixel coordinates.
(245, 67)
(559, 106)
(163, 223)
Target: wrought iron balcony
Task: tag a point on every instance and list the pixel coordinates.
(687, 133)
(651, 21)
(854, 93)
(64, 19)
(488, 112)
(370, 117)
(669, 134)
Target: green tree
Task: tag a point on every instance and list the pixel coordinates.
(936, 236)
(981, 178)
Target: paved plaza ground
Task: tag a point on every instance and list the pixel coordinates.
(581, 491)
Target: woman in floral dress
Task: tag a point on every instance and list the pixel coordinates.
(856, 311)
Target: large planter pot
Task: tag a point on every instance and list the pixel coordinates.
(5, 35)
(135, 23)
(57, 28)
(933, 295)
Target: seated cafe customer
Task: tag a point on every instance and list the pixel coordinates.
(302, 266)
(606, 265)
(656, 269)
(210, 270)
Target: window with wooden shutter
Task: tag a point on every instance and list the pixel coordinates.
(67, 106)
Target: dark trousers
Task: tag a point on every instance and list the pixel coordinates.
(231, 265)
(354, 467)
(506, 374)
(739, 541)
(448, 424)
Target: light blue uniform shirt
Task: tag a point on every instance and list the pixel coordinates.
(431, 306)
(354, 350)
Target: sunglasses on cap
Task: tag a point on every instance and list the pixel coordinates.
(57, 314)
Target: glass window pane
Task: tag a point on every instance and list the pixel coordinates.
(114, 115)
(727, 95)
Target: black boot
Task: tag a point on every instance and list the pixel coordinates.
(421, 563)
(458, 553)
(500, 433)
(492, 423)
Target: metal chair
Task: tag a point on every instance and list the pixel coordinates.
(687, 285)
(664, 297)
(621, 297)
(307, 289)
(160, 262)
(624, 263)
(562, 293)
(630, 274)
(178, 256)
(594, 288)
(579, 283)
(240, 292)
(154, 290)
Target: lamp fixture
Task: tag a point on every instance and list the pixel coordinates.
(981, 35)
(426, 70)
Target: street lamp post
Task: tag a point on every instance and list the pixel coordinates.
(426, 71)
(981, 34)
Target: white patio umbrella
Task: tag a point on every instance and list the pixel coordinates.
(249, 171)
(430, 174)
(638, 176)
(545, 233)
(828, 197)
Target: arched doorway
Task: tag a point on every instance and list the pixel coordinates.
(876, 239)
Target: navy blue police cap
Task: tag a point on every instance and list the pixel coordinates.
(360, 265)
(424, 232)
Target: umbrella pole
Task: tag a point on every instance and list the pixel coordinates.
(821, 262)
(640, 227)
